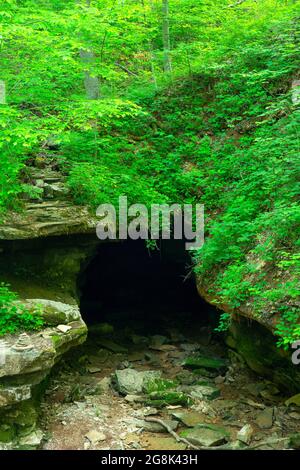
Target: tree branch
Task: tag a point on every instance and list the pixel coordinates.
(125, 69)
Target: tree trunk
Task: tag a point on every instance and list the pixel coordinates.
(150, 45)
(166, 37)
(2, 92)
(91, 83)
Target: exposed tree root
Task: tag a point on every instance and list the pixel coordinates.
(173, 433)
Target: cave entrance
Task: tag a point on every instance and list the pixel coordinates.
(127, 284)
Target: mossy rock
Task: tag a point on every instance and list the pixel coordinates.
(294, 441)
(206, 435)
(18, 421)
(294, 400)
(159, 385)
(197, 362)
(209, 373)
(7, 433)
(74, 337)
(205, 383)
(54, 313)
(22, 416)
(165, 398)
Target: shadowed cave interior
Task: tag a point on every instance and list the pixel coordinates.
(126, 284)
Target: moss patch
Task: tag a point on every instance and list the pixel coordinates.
(205, 362)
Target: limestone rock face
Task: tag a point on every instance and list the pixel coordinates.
(11, 395)
(55, 313)
(46, 268)
(22, 370)
(47, 219)
(252, 336)
(51, 212)
(258, 347)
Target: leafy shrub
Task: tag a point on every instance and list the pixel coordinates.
(288, 326)
(14, 317)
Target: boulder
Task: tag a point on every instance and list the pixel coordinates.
(132, 382)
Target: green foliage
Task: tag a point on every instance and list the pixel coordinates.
(160, 385)
(14, 317)
(288, 327)
(224, 322)
(221, 129)
(97, 184)
(197, 361)
(17, 137)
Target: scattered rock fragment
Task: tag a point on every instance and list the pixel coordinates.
(294, 400)
(188, 347)
(294, 415)
(136, 356)
(157, 341)
(245, 434)
(265, 418)
(134, 398)
(64, 328)
(95, 436)
(206, 435)
(93, 369)
(186, 377)
(254, 404)
(33, 440)
(111, 345)
(204, 392)
(219, 380)
(165, 348)
(104, 384)
(188, 418)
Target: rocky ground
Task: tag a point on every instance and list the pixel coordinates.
(127, 390)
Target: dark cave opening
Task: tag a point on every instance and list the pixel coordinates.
(125, 283)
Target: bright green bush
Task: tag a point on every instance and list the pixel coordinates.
(14, 317)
